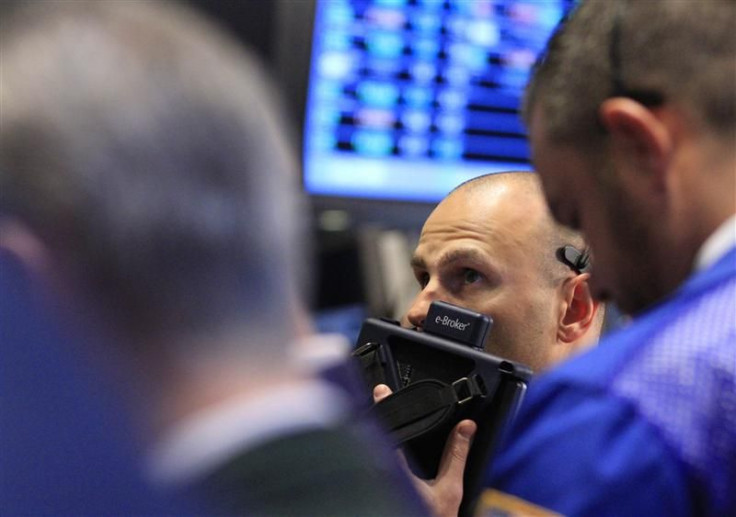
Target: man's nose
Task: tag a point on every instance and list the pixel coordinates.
(418, 310)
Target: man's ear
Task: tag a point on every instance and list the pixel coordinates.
(580, 310)
(645, 136)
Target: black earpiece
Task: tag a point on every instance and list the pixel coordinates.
(578, 261)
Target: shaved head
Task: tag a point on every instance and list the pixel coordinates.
(490, 246)
(526, 188)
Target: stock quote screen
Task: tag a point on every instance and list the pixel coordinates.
(409, 98)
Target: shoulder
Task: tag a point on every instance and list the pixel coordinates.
(654, 405)
(684, 383)
(579, 452)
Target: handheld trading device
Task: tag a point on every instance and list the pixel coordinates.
(439, 377)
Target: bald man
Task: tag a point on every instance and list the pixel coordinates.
(492, 246)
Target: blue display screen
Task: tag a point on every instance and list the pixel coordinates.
(409, 98)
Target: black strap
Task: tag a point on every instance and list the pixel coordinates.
(424, 405)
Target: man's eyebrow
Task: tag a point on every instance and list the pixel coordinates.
(417, 262)
(472, 255)
(461, 255)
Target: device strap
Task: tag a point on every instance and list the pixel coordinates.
(424, 405)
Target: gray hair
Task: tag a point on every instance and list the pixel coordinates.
(146, 149)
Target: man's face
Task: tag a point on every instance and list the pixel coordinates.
(480, 250)
(609, 214)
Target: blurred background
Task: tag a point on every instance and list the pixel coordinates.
(394, 103)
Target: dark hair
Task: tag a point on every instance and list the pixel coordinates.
(681, 52)
(146, 150)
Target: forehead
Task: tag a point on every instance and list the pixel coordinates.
(498, 222)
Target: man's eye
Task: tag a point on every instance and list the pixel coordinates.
(471, 276)
(423, 279)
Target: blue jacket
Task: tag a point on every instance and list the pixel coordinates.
(642, 425)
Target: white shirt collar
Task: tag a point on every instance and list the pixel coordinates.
(203, 442)
(717, 245)
(320, 351)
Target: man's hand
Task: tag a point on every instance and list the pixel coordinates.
(443, 494)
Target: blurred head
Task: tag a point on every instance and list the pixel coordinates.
(491, 246)
(632, 119)
(144, 165)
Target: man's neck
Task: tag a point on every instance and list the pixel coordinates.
(215, 385)
(211, 375)
(704, 191)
